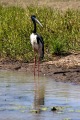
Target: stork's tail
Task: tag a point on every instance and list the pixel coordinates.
(42, 53)
(42, 56)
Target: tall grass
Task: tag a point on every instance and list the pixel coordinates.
(61, 31)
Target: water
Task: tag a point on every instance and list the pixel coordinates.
(22, 95)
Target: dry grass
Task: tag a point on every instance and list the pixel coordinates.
(57, 4)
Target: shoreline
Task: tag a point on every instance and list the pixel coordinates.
(63, 69)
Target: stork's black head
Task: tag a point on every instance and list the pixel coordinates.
(34, 19)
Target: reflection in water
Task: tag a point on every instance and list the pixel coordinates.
(39, 93)
(20, 91)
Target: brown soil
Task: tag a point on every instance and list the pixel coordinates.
(65, 69)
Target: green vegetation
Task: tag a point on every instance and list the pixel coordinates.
(61, 31)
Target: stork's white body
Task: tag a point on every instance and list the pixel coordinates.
(33, 39)
(37, 47)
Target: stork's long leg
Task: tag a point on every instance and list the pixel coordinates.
(34, 62)
(38, 66)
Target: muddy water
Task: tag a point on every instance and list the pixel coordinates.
(24, 97)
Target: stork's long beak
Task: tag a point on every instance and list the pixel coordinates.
(38, 22)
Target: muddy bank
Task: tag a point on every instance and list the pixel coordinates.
(65, 69)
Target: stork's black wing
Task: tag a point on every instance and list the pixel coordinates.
(40, 40)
